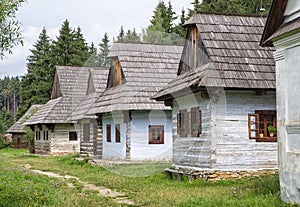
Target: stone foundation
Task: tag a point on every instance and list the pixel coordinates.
(215, 175)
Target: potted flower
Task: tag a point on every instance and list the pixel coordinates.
(272, 130)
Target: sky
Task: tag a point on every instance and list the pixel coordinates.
(95, 17)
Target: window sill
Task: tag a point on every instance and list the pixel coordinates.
(267, 139)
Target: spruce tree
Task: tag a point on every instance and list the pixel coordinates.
(104, 49)
(36, 84)
(121, 36)
(80, 50)
(63, 46)
(93, 60)
(179, 29)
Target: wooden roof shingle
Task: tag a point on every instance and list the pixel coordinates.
(235, 58)
(69, 89)
(147, 68)
(18, 127)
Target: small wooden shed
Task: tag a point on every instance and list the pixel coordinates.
(54, 133)
(17, 129)
(223, 99)
(134, 126)
(90, 136)
(282, 30)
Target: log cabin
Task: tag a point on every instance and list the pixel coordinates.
(90, 139)
(223, 98)
(17, 129)
(133, 126)
(282, 30)
(54, 133)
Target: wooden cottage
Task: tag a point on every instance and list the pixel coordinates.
(17, 129)
(134, 127)
(90, 143)
(282, 31)
(54, 133)
(223, 99)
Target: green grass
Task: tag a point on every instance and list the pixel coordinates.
(152, 190)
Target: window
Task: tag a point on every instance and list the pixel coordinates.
(118, 134)
(72, 136)
(37, 135)
(189, 122)
(108, 133)
(86, 132)
(156, 134)
(45, 137)
(258, 124)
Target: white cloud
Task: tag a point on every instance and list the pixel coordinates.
(95, 17)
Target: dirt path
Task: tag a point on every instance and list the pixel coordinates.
(102, 191)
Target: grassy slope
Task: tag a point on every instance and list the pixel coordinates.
(153, 190)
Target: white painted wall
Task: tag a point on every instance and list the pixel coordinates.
(287, 58)
(292, 10)
(140, 147)
(113, 150)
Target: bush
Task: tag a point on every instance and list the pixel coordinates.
(4, 143)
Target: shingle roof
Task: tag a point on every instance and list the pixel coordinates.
(72, 83)
(98, 81)
(235, 58)
(147, 68)
(18, 127)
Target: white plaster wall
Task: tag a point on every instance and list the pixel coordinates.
(113, 150)
(287, 58)
(140, 147)
(292, 10)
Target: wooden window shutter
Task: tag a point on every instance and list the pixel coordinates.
(186, 121)
(86, 132)
(195, 122)
(178, 123)
(253, 126)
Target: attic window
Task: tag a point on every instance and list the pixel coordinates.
(72, 136)
(258, 124)
(117, 73)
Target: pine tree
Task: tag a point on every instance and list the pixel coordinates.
(63, 46)
(93, 60)
(36, 84)
(235, 6)
(104, 49)
(121, 36)
(179, 29)
(80, 50)
(170, 18)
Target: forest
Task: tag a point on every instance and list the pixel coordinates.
(70, 48)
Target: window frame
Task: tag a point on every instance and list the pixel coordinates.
(108, 133)
(45, 135)
(38, 135)
(158, 129)
(256, 122)
(71, 137)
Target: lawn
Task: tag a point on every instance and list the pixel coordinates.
(19, 187)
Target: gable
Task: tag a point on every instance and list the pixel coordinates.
(91, 87)
(194, 52)
(116, 75)
(56, 91)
